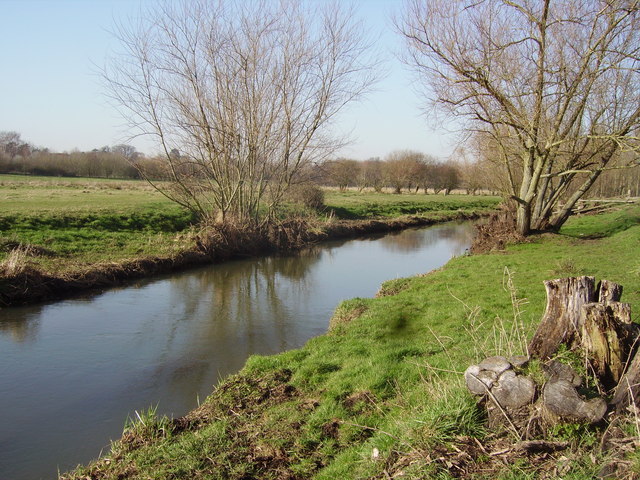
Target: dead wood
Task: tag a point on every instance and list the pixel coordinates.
(561, 321)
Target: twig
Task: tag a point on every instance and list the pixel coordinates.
(444, 349)
(495, 400)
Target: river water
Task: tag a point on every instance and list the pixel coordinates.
(72, 372)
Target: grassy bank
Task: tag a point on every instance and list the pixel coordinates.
(381, 395)
(365, 205)
(77, 233)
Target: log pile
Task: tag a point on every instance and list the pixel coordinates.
(588, 321)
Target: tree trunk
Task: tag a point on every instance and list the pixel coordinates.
(561, 320)
(563, 215)
(523, 218)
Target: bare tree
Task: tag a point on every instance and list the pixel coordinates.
(371, 175)
(244, 91)
(553, 85)
(342, 172)
(404, 169)
(127, 151)
(443, 177)
(12, 145)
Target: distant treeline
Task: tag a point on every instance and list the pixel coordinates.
(18, 156)
(399, 171)
(404, 170)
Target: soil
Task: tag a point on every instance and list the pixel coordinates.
(498, 231)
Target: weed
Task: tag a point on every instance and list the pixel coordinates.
(348, 311)
(579, 434)
(15, 262)
(535, 371)
(566, 268)
(145, 428)
(506, 338)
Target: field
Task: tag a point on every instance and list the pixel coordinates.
(382, 395)
(74, 223)
(355, 205)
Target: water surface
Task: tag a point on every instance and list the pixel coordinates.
(72, 372)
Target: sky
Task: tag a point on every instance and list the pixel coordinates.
(51, 93)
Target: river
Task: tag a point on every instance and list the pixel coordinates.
(72, 372)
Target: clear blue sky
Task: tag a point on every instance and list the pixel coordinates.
(50, 93)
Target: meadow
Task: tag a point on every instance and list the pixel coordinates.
(381, 395)
(75, 223)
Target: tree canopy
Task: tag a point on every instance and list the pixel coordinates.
(239, 95)
(552, 87)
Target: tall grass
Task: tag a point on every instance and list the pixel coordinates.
(15, 262)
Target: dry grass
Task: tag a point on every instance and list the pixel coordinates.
(16, 262)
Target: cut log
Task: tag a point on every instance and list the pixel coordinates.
(555, 370)
(561, 320)
(562, 399)
(513, 391)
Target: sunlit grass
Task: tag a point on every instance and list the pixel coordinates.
(351, 204)
(383, 389)
(82, 221)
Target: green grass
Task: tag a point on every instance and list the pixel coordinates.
(81, 222)
(354, 205)
(27, 196)
(382, 392)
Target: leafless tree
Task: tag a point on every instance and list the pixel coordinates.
(12, 145)
(553, 85)
(244, 91)
(443, 177)
(371, 175)
(127, 151)
(342, 172)
(404, 169)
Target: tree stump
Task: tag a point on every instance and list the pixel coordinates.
(605, 341)
(561, 321)
(584, 317)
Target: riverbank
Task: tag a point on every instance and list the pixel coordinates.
(63, 237)
(381, 394)
(26, 284)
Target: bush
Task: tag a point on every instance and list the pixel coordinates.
(309, 195)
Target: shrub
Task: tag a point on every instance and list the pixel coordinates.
(309, 195)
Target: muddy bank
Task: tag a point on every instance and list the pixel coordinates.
(31, 285)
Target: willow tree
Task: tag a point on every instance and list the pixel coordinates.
(552, 85)
(239, 96)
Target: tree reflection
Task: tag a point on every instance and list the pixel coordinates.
(413, 240)
(20, 324)
(228, 312)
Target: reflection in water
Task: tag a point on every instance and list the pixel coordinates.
(71, 372)
(21, 327)
(413, 240)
